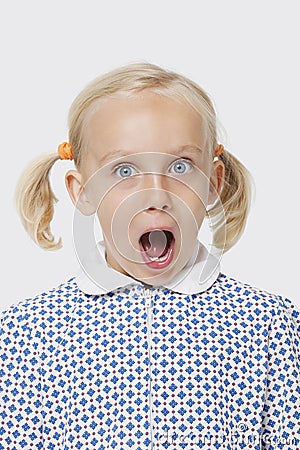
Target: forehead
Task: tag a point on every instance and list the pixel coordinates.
(144, 119)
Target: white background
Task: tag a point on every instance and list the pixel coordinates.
(245, 54)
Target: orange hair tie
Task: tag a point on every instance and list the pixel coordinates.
(65, 151)
(219, 149)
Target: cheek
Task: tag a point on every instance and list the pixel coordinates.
(193, 210)
(115, 212)
(106, 210)
(194, 191)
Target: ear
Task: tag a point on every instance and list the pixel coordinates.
(75, 187)
(216, 181)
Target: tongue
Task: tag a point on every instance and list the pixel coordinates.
(154, 243)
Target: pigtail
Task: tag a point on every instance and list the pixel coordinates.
(34, 201)
(235, 202)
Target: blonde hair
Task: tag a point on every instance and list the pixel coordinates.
(35, 199)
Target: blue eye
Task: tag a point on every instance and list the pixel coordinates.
(182, 166)
(125, 171)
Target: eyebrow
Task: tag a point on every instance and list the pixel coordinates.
(192, 148)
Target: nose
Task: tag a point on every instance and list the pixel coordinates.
(157, 195)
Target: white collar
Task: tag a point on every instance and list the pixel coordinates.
(96, 277)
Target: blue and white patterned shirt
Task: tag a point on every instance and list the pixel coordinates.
(206, 364)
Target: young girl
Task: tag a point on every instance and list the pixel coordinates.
(150, 345)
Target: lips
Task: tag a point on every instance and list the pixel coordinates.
(157, 247)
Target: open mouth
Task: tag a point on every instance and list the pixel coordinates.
(157, 247)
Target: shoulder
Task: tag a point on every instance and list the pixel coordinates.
(257, 299)
(53, 303)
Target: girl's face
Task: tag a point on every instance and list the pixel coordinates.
(149, 175)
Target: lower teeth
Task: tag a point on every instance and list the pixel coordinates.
(158, 258)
